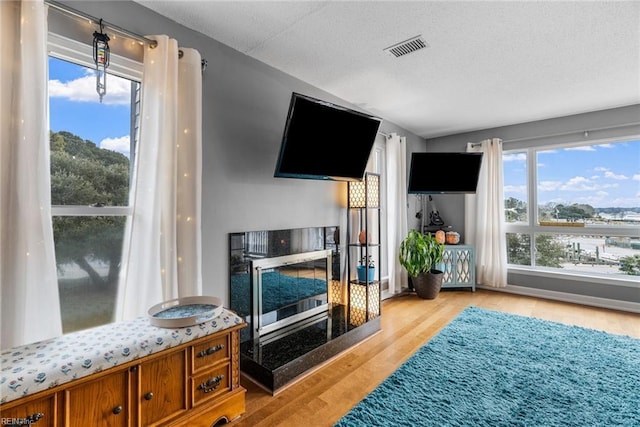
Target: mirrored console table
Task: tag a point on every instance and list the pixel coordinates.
(459, 267)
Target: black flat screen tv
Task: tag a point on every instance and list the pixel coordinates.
(325, 141)
(444, 173)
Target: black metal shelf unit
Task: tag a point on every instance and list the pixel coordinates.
(364, 249)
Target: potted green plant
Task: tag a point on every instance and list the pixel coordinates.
(366, 269)
(419, 255)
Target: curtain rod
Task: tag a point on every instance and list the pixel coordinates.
(203, 62)
(477, 144)
(77, 13)
(152, 43)
(585, 133)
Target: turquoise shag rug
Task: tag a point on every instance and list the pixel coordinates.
(488, 368)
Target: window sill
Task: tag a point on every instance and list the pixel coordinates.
(632, 281)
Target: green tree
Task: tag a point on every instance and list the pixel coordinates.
(518, 249)
(630, 265)
(547, 212)
(515, 210)
(84, 174)
(549, 252)
(574, 212)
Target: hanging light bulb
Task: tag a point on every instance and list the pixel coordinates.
(101, 58)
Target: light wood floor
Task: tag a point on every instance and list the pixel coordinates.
(408, 322)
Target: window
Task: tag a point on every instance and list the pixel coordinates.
(586, 219)
(92, 160)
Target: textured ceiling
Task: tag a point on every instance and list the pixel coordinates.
(488, 64)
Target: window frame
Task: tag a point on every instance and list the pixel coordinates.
(80, 53)
(533, 228)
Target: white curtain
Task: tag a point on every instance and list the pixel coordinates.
(397, 228)
(30, 304)
(484, 216)
(163, 258)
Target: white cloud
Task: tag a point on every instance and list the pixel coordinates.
(83, 89)
(518, 189)
(609, 174)
(518, 157)
(629, 202)
(579, 183)
(636, 177)
(121, 144)
(549, 185)
(585, 148)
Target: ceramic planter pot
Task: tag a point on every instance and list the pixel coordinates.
(364, 271)
(428, 285)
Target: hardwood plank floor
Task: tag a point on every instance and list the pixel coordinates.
(408, 322)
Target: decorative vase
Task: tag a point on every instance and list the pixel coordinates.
(366, 274)
(363, 237)
(428, 285)
(452, 238)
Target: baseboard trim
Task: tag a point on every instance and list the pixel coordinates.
(568, 297)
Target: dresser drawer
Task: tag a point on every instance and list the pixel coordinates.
(39, 413)
(210, 384)
(210, 352)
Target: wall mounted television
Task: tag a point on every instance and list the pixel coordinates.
(325, 141)
(444, 173)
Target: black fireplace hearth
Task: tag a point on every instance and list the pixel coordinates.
(284, 284)
(276, 361)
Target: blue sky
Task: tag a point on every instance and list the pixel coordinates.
(606, 175)
(75, 106)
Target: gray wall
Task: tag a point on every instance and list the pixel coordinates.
(245, 103)
(613, 123)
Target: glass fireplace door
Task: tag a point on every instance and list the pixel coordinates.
(288, 289)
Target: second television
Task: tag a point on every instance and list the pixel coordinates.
(444, 173)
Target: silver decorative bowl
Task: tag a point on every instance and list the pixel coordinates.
(186, 311)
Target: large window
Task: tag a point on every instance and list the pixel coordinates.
(92, 158)
(586, 215)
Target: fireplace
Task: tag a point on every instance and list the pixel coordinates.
(281, 277)
(289, 289)
(286, 284)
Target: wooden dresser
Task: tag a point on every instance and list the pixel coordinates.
(154, 377)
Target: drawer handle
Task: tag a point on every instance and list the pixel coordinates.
(35, 417)
(211, 384)
(117, 410)
(209, 351)
(148, 396)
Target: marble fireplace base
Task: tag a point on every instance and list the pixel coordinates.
(274, 362)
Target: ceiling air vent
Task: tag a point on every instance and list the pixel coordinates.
(407, 46)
